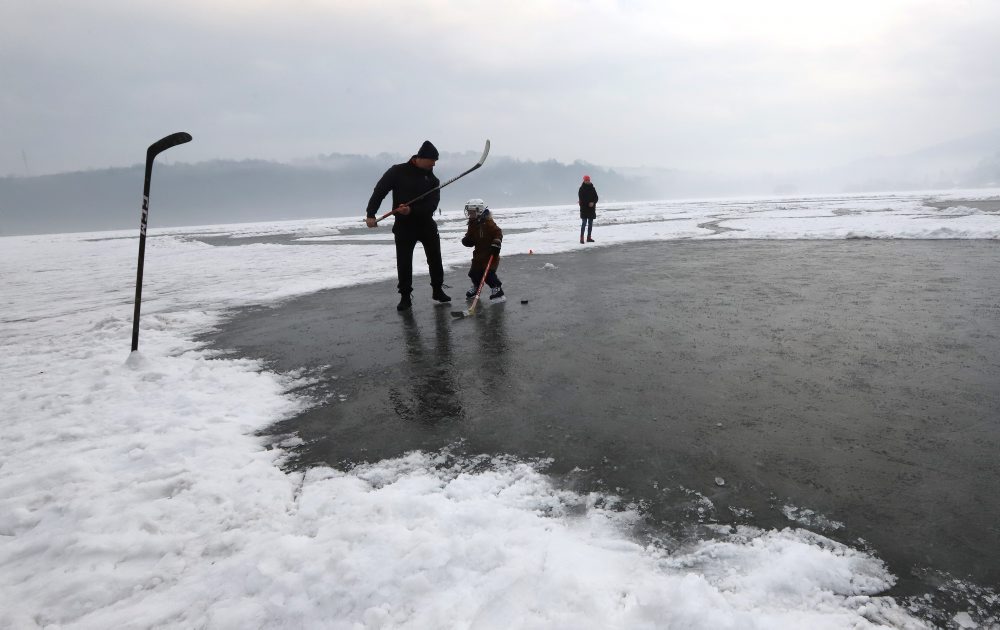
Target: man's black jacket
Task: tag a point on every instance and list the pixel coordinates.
(407, 181)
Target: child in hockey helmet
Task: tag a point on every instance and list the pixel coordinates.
(485, 236)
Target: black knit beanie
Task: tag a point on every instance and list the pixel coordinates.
(427, 150)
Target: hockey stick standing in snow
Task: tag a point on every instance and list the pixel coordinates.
(154, 149)
(486, 152)
(475, 301)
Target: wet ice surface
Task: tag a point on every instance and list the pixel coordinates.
(848, 387)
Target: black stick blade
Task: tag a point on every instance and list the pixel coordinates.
(163, 144)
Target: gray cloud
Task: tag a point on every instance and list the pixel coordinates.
(724, 86)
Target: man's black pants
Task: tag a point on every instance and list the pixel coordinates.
(406, 240)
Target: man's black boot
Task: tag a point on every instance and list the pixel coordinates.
(440, 295)
(404, 302)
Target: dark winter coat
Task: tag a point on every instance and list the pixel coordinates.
(587, 195)
(482, 233)
(407, 181)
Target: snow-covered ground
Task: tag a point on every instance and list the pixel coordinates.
(134, 493)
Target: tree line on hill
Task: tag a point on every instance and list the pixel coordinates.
(227, 191)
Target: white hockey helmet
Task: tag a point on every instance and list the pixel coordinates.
(475, 208)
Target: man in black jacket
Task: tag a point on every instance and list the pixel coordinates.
(413, 223)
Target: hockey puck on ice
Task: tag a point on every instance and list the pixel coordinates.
(524, 301)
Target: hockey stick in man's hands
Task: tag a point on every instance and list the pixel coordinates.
(486, 151)
(472, 309)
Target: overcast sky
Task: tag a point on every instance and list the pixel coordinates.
(709, 85)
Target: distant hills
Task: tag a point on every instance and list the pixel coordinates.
(255, 190)
(969, 162)
(227, 191)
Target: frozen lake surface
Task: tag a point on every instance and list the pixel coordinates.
(848, 387)
(779, 415)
